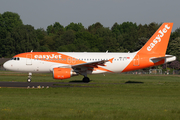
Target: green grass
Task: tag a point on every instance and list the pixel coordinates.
(105, 97)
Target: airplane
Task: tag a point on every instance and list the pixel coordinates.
(64, 65)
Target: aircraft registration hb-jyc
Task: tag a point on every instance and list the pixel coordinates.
(64, 65)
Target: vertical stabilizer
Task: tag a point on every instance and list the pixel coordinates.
(158, 43)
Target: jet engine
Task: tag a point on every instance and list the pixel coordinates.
(63, 73)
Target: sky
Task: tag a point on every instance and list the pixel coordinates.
(42, 13)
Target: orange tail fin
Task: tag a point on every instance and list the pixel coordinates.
(158, 43)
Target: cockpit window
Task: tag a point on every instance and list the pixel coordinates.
(15, 58)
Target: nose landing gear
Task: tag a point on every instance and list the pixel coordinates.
(29, 77)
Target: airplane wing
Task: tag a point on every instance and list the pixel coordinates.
(93, 64)
(84, 67)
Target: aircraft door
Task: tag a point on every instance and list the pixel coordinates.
(28, 59)
(136, 60)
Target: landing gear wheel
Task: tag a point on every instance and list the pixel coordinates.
(29, 77)
(86, 79)
(28, 80)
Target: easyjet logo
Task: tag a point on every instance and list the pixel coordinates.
(158, 38)
(47, 56)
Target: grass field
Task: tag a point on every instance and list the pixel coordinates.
(146, 97)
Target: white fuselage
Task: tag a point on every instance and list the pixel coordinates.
(120, 61)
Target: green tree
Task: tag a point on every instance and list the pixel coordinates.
(56, 28)
(93, 28)
(9, 20)
(49, 42)
(152, 28)
(41, 33)
(25, 39)
(68, 37)
(82, 45)
(75, 27)
(142, 31)
(174, 48)
(141, 42)
(175, 34)
(7, 47)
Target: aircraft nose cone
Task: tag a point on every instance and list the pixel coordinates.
(6, 65)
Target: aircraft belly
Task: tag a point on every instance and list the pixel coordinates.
(118, 66)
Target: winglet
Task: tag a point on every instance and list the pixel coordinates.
(110, 60)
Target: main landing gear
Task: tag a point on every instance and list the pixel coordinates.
(29, 78)
(85, 79)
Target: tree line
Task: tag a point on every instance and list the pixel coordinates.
(15, 37)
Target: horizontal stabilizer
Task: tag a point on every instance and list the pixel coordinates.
(168, 58)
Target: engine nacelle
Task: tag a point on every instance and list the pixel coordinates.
(62, 73)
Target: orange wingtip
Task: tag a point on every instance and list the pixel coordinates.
(110, 60)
